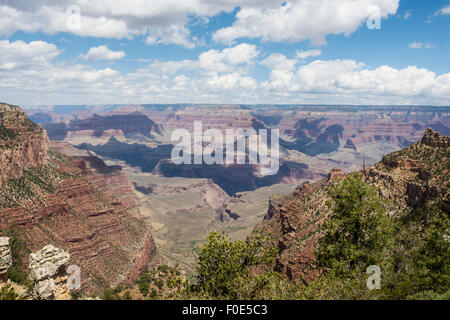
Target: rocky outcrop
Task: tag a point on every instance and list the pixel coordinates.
(350, 145)
(409, 178)
(294, 225)
(44, 265)
(5, 255)
(143, 258)
(434, 139)
(336, 173)
(23, 145)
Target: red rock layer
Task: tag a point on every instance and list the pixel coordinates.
(91, 211)
(27, 149)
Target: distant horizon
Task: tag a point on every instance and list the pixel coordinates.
(233, 104)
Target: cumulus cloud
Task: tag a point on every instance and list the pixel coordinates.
(167, 22)
(349, 77)
(31, 75)
(279, 61)
(443, 11)
(161, 21)
(231, 81)
(30, 72)
(102, 53)
(21, 55)
(229, 58)
(300, 20)
(308, 53)
(175, 34)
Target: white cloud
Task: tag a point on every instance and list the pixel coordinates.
(160, 21)
(31, 75)
(102, 53)
(29, 71)
(168, 21)
(308, 53)
(21, 55)
(279, 61)
(443, 11)
(421, 45)
(302, 19)
(176, 34)
(229, 58)
(231, 81)
(344, 78)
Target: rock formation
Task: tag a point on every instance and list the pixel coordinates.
(44, 265)
(126, 125)
(435, 139)
(23, 145)
(5, 255)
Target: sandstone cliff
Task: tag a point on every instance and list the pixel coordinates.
(75, 203)
(23, 145)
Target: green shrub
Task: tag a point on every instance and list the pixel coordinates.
(358, 232)
(223, 265)
(8, 293)
(76, 294)
(19, 253)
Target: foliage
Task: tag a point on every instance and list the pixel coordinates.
(430, 295)
(19, 251)
(8, 293)
(358, 232)
(112, 294)
(421, 254)
(6, 133)
(76, 294)
(223, 269)
(432, 258)
(164, 282)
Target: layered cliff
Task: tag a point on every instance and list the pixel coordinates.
(76, 203)
(409, 178)
(126, 125)
(23, 144)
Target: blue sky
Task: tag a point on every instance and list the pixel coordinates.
(229, 51)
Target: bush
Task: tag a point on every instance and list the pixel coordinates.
(8, 293)
(76, 294)
(110, 294)
(223, 265)
(19, 251)
(358, 232)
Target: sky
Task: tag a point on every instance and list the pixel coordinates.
(68, 52)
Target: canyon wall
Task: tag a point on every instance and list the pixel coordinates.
(409, 178)
(76, 203)
(23, 144)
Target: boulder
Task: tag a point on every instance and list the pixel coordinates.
(5, 255)
(44, 265)
(46, 262)
(45, 289)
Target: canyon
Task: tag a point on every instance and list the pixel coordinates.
(183, 203)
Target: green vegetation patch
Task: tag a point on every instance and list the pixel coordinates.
(32, 186)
